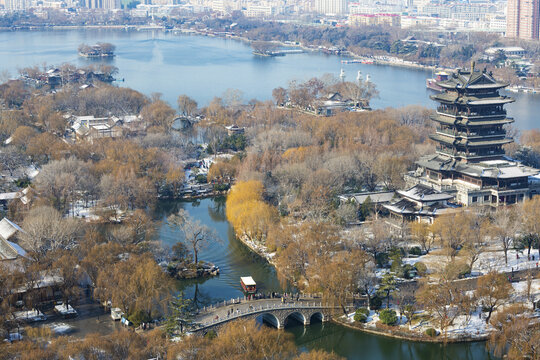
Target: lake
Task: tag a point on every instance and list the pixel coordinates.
(203, 67)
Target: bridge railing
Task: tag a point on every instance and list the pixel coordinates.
(241, 312)
(242, 300)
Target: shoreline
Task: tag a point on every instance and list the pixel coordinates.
(422, 339)
(377, 60)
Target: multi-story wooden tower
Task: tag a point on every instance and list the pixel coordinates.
(470, 161)
(470, 117)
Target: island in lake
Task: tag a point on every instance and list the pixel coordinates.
(97, 50)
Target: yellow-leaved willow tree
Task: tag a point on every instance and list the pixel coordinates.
(250, 216)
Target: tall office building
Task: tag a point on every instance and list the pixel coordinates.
(16, 4)
(103, 4)
(523, 19)
(334, 7)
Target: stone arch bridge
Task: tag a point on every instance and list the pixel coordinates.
(273, 311)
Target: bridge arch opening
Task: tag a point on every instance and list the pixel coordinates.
(316, 318)
(295, 319)
(269, 319)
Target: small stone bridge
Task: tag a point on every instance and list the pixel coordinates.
(273, 311)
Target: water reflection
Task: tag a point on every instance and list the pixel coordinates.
(232, 256)
(354, 345)
(188, 64)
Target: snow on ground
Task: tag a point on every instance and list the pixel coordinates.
(520, 290)
(491, 259)
(61, 328)
(29, 315)
(473, 325)
(80, 209)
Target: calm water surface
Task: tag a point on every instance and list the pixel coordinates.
(204, 67)
(235, 260)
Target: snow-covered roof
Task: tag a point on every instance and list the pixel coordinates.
(374, 197)
(129, 118)
(8, 228)
(8, 196)
(31, 172)
(101, 127)
(507, 49)
(248, 281)
(8, 249)
(424, 193)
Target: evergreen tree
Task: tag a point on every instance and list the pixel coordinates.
(388, 285)
(181, 315)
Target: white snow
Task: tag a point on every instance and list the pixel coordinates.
(29, 315)
(63, 310)
(61, 328)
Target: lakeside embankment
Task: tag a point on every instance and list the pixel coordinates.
(401, 335)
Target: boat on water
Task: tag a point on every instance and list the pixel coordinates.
(439, 76)
(356, 61)
(268, 53)
(248, 284)
(523, 89)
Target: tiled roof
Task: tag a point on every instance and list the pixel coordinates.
(8, 228)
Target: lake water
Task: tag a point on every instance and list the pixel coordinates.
(235, 260)
(204, 67)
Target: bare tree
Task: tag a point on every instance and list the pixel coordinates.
(376, 238)
(196, 235)
(69, 271)
(505, 226)
(232, 97)
(186, 105)
(492, 290)
(11, 159)
(46, 230)
(280, 95)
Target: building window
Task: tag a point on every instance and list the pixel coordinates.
(486, 198)
(474, 199)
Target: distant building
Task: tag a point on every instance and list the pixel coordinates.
(374, 19)
(103, 4)
(90, 128)
(418, 21)
(259, 10)
(497, 24)
(509, 51)
(16, 5)
(523, 19)
(234, 130)
(331, 7)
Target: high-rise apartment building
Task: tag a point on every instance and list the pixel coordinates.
(335, 7)
(16, 4)
(103, 4)
(523, 19)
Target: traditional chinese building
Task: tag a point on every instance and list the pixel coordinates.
(420, 203)
(470, 161)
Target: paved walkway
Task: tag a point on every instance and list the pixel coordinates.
(237, 308)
